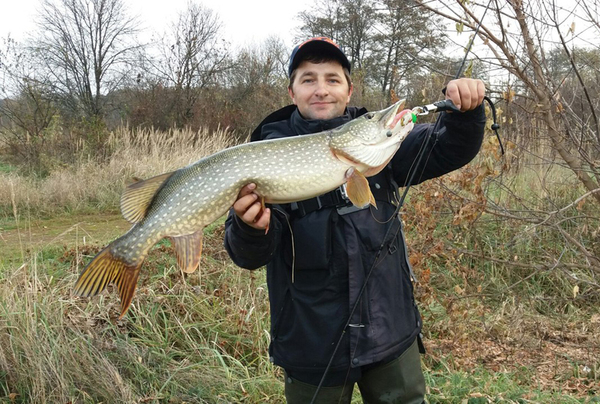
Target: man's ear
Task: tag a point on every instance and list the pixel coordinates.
(291, 93)
(350, 93)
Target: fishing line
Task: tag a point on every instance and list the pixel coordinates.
(411, 176)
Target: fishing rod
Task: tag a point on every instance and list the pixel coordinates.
(440, 106)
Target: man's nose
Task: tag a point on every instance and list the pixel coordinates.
(322, 88)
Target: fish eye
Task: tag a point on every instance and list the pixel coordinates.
(369, 115)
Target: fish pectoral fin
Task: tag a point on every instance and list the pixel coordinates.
(137, 197)
(357, 188)
(104, 269)
(188, 250)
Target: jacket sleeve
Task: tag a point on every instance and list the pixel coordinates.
(454, 143)
(248, 247)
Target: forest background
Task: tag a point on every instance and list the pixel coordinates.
(506, 250)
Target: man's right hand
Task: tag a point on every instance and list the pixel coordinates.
(248, 207)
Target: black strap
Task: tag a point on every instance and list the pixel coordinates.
(337, 199)
(495, 125)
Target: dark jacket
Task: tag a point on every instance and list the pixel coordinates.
(334, 252)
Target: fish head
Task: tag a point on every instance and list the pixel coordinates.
(370, 141)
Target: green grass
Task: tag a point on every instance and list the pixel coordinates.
(6, 168)
(480, 386)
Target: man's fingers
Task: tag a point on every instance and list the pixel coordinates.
(256, 216)
(243, 203)
(251, 214)
(246, 190)
(452, 93)
(476, 94)
(480, 91)
(465, 93)
(455, 91)
(466, 97)
(249, 208)
(262, 221)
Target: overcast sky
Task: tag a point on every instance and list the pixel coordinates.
(244, 22)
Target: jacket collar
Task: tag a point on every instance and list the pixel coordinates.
(303, 126)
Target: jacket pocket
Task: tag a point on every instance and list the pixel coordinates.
(312, 239)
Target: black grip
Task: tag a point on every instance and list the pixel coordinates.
(446, 105)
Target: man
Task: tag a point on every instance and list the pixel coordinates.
(331, 245)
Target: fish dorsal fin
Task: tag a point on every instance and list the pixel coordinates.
(188, 249)
(358, 189)
(137, 197)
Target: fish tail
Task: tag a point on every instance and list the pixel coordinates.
(104, 269)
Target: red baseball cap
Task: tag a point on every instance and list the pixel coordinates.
(317, 44)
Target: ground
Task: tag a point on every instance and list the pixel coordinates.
(468, 336)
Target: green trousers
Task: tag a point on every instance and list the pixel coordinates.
(400, 381)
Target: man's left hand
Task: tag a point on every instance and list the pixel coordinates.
(465, 93)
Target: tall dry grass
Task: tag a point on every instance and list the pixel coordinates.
(97, 184)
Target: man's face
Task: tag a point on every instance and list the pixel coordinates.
(320, 90)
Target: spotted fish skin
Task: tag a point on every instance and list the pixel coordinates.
(180, 204)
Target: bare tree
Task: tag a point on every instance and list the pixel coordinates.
(83, 44)
(348, 22)
(404, 43)
(387, 41)
(257, 83)
(519, 37)
(545, 74)
(27, 110)
(325, 19)
(191, 57)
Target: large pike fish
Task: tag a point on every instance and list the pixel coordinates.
(181, 203)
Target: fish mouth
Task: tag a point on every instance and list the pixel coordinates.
(389, 115)
(386, 131)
